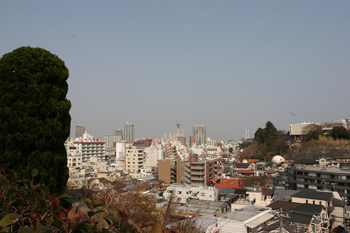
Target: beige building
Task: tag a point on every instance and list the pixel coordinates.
(134, 159)
(171, 171)
(165, 171)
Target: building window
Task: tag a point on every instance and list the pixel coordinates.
(178, 192)
(203, 194)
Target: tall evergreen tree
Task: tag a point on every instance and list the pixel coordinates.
(34, 115)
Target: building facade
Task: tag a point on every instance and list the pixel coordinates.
(128, 135)
(200, 134)
(134, 159)
(79, 131)
(299, 177)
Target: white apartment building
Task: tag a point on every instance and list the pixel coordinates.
(152, 155)
(91, 149)
(183, 192)
(111, 140)
(134, 159)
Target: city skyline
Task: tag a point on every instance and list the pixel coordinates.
(228, 65)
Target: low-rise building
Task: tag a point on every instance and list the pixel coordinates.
(226, 183)
(247, 219)
(181, 193)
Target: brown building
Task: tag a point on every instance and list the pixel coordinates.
(171, 171)
(191, 139)
(165, 171)
(79, 131)
(202, 172)
(181, 139)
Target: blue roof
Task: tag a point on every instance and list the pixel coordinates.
(227, 191)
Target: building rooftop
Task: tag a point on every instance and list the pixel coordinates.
(308, 208)
(196, 209)
(334, 170)
(282, 194)
(316, 195)
(206, 204)
(245, 213)
(284, 205)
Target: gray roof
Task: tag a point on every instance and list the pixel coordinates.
(328, 170)
(207, 204)
(195, 209)
(308, 208)
(202, 223)
(245, 213)
(301, 218)
(315, 195)
(338, 202)
(281, 194)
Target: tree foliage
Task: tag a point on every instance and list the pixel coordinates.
(34, 115)
(270, 141)
(339, 132)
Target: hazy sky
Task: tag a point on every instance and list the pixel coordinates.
(230, 65)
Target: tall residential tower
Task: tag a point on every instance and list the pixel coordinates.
(128, 132)
(200, 134)
(79, 131)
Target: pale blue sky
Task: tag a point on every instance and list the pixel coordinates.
(230, 65)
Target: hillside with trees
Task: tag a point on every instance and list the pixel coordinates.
(269, 141)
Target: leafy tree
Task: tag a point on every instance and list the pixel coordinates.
(339, 132)
(34, 115)
(270, 128)
(312, 135)
(260, 135)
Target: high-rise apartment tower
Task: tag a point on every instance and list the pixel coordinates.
(128, 132)
(200, 134)
(79, 131)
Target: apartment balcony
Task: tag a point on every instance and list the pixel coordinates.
(196, 172)
(197, 178)
(197, 167)
(187, 180)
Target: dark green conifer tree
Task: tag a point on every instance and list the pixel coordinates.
(34, 115)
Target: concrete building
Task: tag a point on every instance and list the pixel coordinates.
(182, 193)
(181, 139)
(91, 149)
(111, 140)
(201, 172)
(191, 140)
(172, 171)
(200, 134)
(79, 131)
(134, 159)
(166, 171)
(128, 132)
(118, 132)
(329, 178)
(152, 155)
(248, 219)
